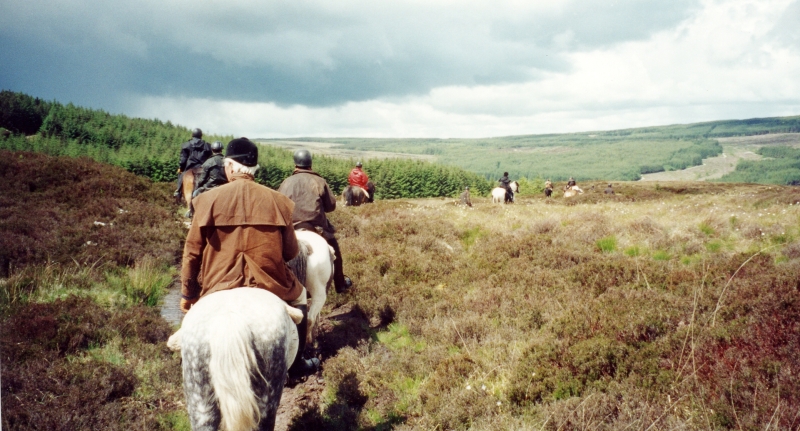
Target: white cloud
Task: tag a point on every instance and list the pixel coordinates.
(723, 62)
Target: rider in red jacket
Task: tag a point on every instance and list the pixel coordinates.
(358, 177)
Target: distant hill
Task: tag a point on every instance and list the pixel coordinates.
(612, 155)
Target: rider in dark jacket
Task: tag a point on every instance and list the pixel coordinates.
(213, 171)
(313, 198)
(506, 184)
(194, 153)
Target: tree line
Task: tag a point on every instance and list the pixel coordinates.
(150, 148)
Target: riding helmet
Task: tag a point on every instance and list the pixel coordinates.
(358, 165)
(197, 133)
(243, 151)
(302, 158)
(216, 147)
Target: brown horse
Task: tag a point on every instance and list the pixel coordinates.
(188, 187)
(355, 196)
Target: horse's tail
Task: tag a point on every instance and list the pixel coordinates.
(299, 265)
(232, 367)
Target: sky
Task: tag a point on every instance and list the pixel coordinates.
(418, 68)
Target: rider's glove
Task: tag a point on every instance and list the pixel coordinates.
(186, 304)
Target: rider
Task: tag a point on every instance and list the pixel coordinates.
(570, 183)
(358, 178)
(465, 199)
(194, 153)
(506, 184)
(213, 171)
(313, 198)
(241, 237)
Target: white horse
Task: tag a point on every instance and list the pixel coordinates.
(314, 268)
(218, 332)
(499, 193)
(236, 346)
(572, 191)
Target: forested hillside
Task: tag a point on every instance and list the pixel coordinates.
(781, 165)
(612, 155)
(151, 148)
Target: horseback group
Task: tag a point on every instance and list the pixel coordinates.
(238, 344)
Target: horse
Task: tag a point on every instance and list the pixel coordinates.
(187, 186)
(499, 193)
(548, 191)
(355, 195)
(572, 191)
(237, 347)
(313, 267)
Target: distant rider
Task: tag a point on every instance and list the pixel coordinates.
(241, 236)
(358, 178)
(465, 199)
(313, 198)
(548, 188)
(194, 153)
(213, 171)
(609, 190)
(570, 183)
(506, 184)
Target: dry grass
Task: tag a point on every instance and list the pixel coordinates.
(594, 313)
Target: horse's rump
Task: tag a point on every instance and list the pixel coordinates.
(236, 346)
(316, 267)
(187, 183)
(355, 196)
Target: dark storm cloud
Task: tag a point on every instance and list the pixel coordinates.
(315, 54)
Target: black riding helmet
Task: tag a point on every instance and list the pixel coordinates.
(243, 151)
(197, 133)
(216, 147)
(302, 158)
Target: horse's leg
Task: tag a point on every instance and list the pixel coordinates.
(201, 404)
(188, 188)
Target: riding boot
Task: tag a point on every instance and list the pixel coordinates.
(340, 282)
(302, 367)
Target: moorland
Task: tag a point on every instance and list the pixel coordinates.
(627, 154)
(661, 306)
(666, 305)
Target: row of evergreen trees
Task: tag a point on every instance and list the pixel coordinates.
(151, 148)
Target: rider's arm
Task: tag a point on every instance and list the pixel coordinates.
(207, 167)
(192, 257)
(184, 158)
(290, 247)
(328, 199)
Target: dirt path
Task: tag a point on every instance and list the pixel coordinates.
(734, 149)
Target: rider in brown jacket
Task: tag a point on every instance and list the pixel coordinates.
(313, 198)
(242, 236)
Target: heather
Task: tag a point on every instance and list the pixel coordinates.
(664, 306)
(657, 308)
(86, 251)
